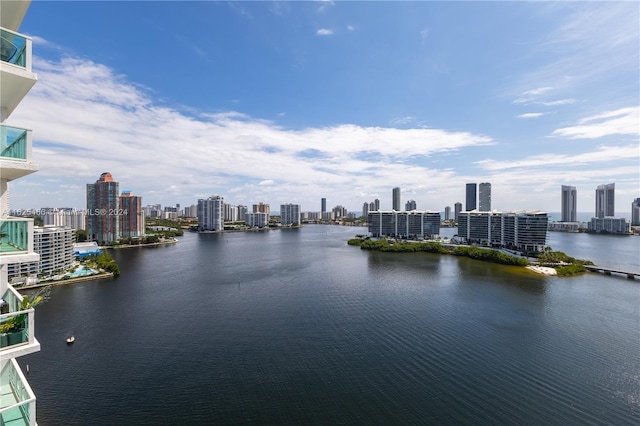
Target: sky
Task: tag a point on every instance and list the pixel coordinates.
(291, 102)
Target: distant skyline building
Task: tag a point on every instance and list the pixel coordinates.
(457, 208)
(211, 214)
(569, 208)
(290, 214)
(470, 198)
(131, 215)
(447, 213)
(103, 204)
(605, 200)
(484, 197)
(609, 225)
(323, 205)
(365, 209)
(635, 212)
(257, 219)
(410, 205)
(395, 202)
(262, 208)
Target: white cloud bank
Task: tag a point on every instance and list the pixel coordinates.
(88, 120)
(624, 121)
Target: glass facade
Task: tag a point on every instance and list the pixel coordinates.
(13, 48)
(13, 143)
(14, 236)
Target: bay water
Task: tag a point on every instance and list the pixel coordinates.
(297, 327)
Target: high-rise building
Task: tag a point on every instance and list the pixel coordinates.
(290, 214)
(261, 208)
(103, 208)
(605, 200)
(339, 212)
(55, 246)
(211, 214)
(470, 199)
(484, 197)
(569, 208)
(635, 212)
(18, 402)
(396, 199)
(131, 216)
(376, 202)
(447, 213)
(323, 205)
(457, 208)
(365, 209)
(410, 205)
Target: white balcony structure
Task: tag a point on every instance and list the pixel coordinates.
(17, 322)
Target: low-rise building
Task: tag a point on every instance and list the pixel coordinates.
(610, 225)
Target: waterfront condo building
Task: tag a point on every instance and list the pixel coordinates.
(410, 225)
(323, 205)
(17, 324)
(605, 200)
(635, 212)
(520, 230)
(131, 216)
(569, 208)
(290, 214)
(447, 213)
(103, 204)
(395, 199)
(484, 197)
(410, 205)
(211, 214)
(470, 197)
(609, 225)
(257, 220)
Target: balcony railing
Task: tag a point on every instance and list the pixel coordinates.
(14, 235)
(14, 143)
(15, 325)
(14, 48)
(18, 403)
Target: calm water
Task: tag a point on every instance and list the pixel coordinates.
(296, 327)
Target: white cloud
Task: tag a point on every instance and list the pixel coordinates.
(601, 155)
(424, 34)
(531, 115)
(624, 121)
(324, 32)
(537, 91)
(88, 120)
(351, 28)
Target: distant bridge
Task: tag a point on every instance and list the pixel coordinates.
(609, 271)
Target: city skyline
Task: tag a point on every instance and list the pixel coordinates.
(306, 108)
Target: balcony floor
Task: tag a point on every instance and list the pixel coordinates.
(13, 417)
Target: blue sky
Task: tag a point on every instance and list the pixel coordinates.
(294, 101)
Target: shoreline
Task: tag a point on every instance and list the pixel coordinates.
(125, 246)
(544, 270)
(57, 283)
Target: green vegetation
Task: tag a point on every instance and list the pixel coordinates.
(81, 235)
(570, 269)
(105, 262)
(487, 255)
(548, 256)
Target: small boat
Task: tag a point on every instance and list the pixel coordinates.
(70, 340)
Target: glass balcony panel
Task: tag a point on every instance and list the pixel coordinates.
(14, 236)
(17, 398)
(13, 143)
(13, 48)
